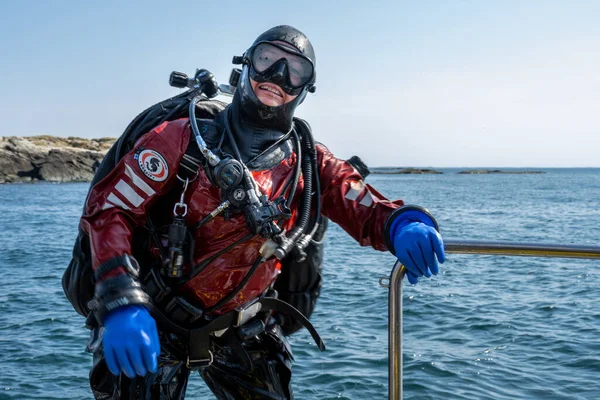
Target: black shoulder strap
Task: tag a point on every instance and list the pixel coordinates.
(193, 159)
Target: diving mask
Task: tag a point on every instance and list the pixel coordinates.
(281, 65)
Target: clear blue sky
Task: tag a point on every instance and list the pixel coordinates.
(419, 83)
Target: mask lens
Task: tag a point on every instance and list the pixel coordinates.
(266, 55)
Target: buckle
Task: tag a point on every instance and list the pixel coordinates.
(201, 363)
(245, 314)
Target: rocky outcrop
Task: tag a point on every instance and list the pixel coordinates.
(52, 159)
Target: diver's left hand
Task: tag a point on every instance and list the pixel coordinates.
(417, 245)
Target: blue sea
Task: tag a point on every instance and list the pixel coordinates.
(487, 327)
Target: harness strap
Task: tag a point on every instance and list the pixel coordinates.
(281, 306)
(190, 163)
(198, 340)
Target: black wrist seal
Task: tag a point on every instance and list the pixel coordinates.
(115, 292)
(387, 240)
(360, 166)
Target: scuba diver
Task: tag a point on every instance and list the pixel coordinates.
(191, 232)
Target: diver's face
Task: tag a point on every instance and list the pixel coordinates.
(270, 94)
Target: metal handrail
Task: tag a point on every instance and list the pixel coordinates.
(395, 331)
(520, 249)
(462, 247)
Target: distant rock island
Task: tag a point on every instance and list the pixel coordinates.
(419, 171)
(497, 171)
(408, 171)
(50, 158)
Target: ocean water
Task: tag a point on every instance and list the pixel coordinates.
(485, 328)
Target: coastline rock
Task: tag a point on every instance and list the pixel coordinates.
(406, 171)
(497, 171)
(51, 159)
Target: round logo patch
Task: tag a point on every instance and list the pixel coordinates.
(153, 165)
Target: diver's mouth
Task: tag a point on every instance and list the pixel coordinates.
(271, 89)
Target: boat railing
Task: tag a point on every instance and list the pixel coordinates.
(460, 247)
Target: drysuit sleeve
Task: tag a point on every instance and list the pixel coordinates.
(120, 201)
(351, 203)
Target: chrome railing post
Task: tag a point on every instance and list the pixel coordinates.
(395, 332)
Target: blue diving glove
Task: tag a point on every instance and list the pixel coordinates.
(130, 340)
(417, 243)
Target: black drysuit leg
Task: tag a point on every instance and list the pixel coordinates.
(257, 368)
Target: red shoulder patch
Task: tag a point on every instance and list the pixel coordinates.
(153, 165)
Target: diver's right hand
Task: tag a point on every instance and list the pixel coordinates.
(130, 341)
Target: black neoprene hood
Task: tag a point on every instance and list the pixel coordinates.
(254, 117)
(291, 35)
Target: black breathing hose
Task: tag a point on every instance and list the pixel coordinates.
(198, 268)
(307, 135)
(318, 200)
(307, 169)
(297, 171)
(238, 288)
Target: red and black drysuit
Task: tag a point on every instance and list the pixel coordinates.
(120, 203)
